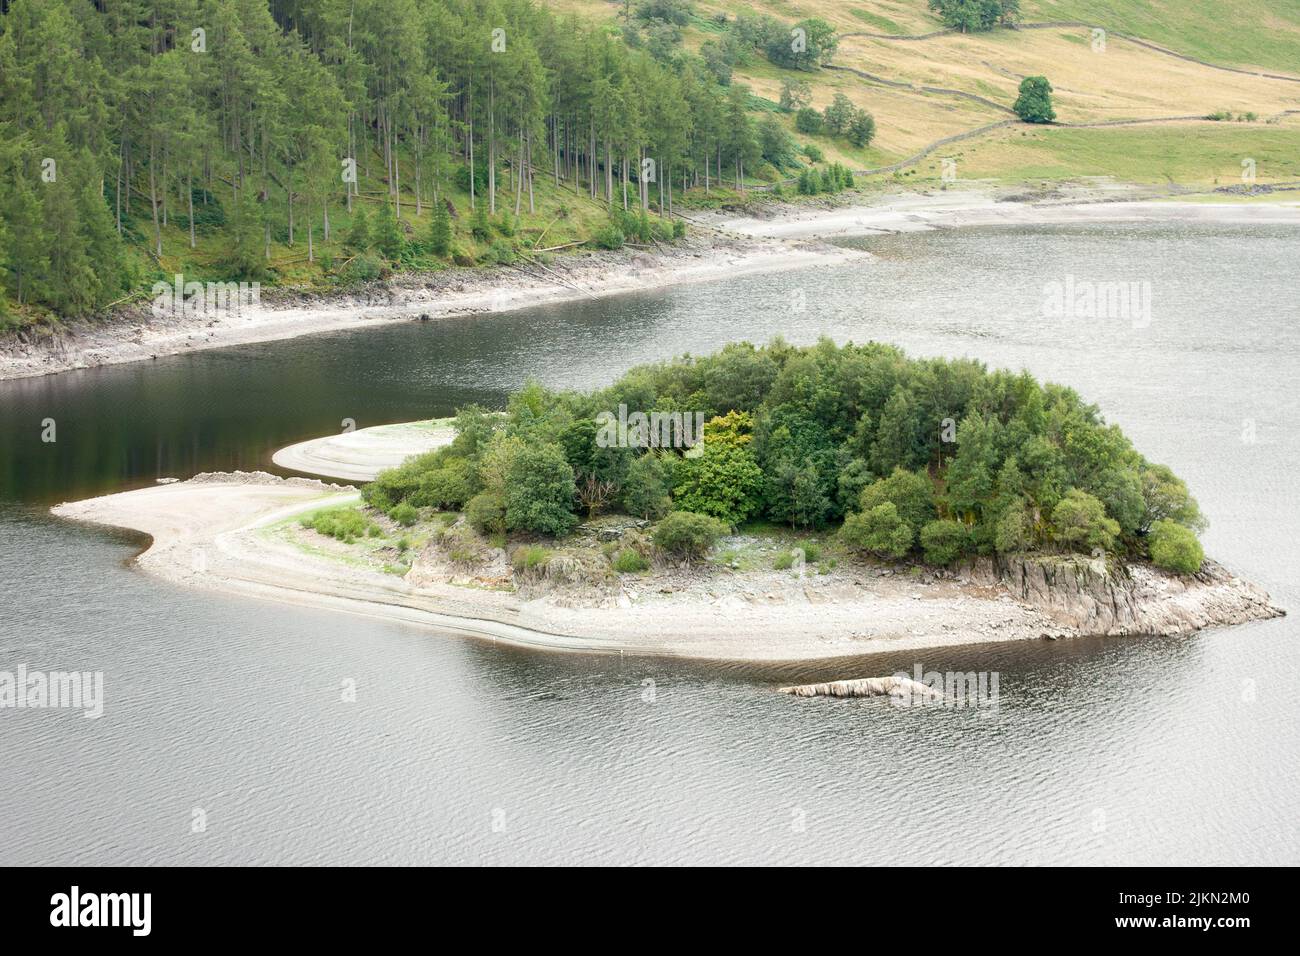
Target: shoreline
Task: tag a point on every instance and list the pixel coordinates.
(967, 208)
(792, 237)
(414, 297)
(216, 531)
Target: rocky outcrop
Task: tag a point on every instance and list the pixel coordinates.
(866, 687)
(261, 478)
(1097, 596)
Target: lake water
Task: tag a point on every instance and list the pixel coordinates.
(1117, 751)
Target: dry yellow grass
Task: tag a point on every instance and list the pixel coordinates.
(1126, 81)
(905, 121)
(875, 16)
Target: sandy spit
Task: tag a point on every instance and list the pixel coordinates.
(362, 454)
(209, 532)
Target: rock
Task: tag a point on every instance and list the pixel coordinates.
(1091, 596)
(866, 687)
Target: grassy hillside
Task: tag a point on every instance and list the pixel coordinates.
(697, 86)
(1248, 33)
(1124, 82)
(1198, 155)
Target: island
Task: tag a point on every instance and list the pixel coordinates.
(761, 503)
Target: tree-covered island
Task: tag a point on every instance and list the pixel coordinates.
(885, 456)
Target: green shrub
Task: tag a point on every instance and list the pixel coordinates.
(725, 482)
(879, 530)
(944, 541)
(1174, 547)
(397, 484)
(809, 121)
(910, 492)
(486, 513)
(364, 267)
(346, 524)
(448, 486)
(530, 559)
(608, 237)
(404, 514)
(645, 488)
(784, 561)
(1015, 529)
(500, 253)
(540, 490)
(1079, 522)
(628, 561)
(811, 551)
(685, 534)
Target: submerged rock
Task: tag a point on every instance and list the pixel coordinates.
(866, 687)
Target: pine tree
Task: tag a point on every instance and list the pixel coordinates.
(359, 235)
(4, 251)
(247, 259)
(388, 235)
(480, 227)
(241, 146)
(440, 230)
(28, 255)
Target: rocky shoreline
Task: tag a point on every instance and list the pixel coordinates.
(136, 333)
(245, 528)
(1091, 596)
(765, 237)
